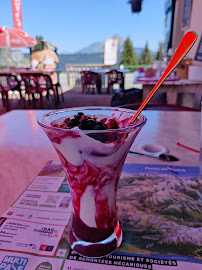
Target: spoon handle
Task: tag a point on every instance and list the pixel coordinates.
(140, 154)
(136, 153)
(161, 156)
(183, 48)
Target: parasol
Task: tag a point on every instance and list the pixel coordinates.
(15, 38)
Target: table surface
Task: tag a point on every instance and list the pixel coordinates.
(25, 149)
(150, 81)
(25, 71)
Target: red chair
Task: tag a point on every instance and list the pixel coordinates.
(8, 82)
(54, 87)
(141, 70)
(90, 80)
(38, 83)
(115, 76)
(35, 85)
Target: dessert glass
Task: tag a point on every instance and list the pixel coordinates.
(93, 161)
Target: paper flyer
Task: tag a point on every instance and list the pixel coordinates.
(20, 261)
(44, 201)
(125, 262)
(46, 183)
(30, 237)
(52, 218)
(158, 207)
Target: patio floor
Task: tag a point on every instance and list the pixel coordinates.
(72, 98)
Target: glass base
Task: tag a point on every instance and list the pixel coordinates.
(96, 249)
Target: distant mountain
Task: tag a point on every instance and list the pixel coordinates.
(64, 52)
(93, 58)
(98, 47)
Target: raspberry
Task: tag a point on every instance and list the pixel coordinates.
(67, 120)
(111, 124)
(83, 117)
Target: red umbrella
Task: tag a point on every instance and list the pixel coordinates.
(15, 38)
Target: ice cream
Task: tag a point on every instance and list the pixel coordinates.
(93, 160)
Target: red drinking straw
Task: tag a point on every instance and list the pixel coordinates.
(188, 147)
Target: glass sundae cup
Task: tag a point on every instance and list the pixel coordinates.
(93, 161)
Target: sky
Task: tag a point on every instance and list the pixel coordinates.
(74, 24)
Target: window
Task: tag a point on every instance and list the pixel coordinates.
(186, 13)
(198, 56)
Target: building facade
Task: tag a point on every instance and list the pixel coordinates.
(186, 17)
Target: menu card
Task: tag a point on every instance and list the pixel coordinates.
(159, 210)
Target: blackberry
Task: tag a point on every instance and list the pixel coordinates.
(97, 127)
(80, 114)
(91, 123)
(99, 123)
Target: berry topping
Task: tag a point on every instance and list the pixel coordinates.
(87, 123)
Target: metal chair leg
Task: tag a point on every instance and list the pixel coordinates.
(41, 101)
(7, 102)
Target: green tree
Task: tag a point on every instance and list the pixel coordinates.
(140, 61)
(39, 38)
(38, 46)
(146, 56)
(159, 54)
(128, 56)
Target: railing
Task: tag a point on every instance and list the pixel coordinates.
(74, 75)
(135, 66)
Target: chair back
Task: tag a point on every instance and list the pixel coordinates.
(88, 77)
(13, 81)
(48, 81)
(141, 70)
(3, 80)
(29, 80)
(9, 81)
(115, 76)
(37, 80)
